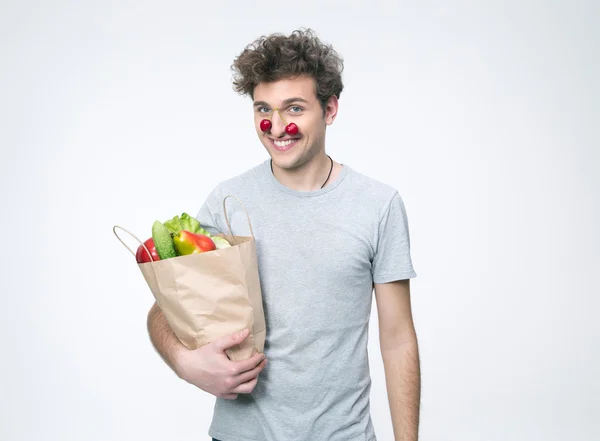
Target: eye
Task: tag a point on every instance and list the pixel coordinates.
(263, 109)
(296, 109)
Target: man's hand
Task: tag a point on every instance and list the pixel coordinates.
(209, 368)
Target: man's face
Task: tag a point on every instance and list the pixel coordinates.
(297, 102)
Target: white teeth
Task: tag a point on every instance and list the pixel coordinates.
(284, 143)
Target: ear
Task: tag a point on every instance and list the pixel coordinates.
(331, 110)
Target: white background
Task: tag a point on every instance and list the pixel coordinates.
(483, 114)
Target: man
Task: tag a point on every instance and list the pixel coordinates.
(327, 237)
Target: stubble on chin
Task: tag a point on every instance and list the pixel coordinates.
(299, 159)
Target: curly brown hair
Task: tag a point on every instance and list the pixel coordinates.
(277, 56)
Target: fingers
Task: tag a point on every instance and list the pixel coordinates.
(240, 376)
(251, 374)
(230, 341)
(246, 382)
(246, 388)
(248, 364)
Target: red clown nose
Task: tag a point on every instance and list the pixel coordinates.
(290, 129)
(265, 125)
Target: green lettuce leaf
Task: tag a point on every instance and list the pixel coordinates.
(192, 225)
(185, 222)
(174, 225)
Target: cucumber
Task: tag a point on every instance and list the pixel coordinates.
(162, 241)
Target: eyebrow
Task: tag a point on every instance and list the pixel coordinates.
(285, 102)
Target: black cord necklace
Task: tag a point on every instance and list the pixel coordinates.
(328, 176)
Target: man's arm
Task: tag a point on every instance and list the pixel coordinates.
(400, 353)
(164, 340)
(207, 367)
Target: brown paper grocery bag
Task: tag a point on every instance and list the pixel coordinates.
(212, 294)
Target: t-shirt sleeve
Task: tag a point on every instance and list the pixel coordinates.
(392, 260)
(207, 215)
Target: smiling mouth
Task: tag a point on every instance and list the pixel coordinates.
(284, 145)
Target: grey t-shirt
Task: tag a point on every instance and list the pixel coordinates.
(319, 254)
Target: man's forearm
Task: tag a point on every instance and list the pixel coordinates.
(163, 339)
(403, 382)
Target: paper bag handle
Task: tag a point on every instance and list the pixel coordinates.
(134, 236)
(227, 218)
